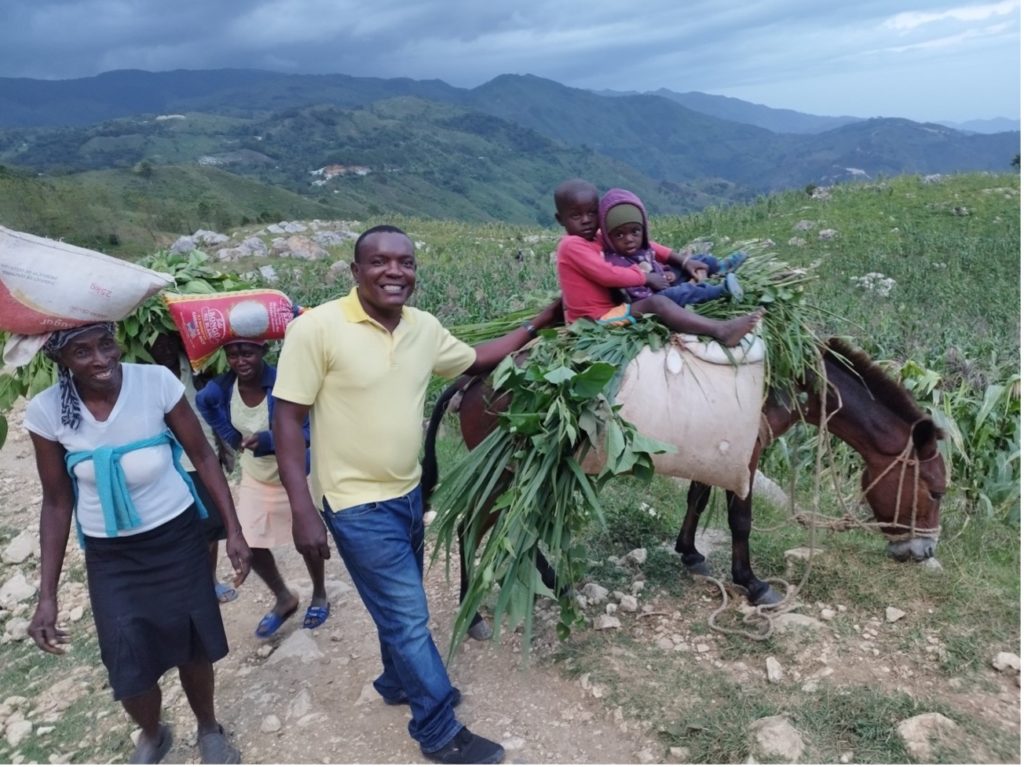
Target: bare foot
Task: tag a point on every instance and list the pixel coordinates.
(732, 331)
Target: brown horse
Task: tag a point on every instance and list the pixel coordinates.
(904, 475)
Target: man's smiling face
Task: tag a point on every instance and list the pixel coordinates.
(384, 270)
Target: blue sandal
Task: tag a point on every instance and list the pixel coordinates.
(271, 622)
(315, 616)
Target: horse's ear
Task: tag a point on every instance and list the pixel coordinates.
(926, 437)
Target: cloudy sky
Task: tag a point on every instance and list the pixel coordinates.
(926, 60)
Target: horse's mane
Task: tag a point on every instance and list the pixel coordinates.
(882, 387)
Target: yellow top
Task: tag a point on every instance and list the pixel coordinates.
(366, 388)
(248, 421)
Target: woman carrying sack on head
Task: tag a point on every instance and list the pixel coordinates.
(107, 437)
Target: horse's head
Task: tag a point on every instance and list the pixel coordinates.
(904, 492)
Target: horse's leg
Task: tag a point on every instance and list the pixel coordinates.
(758, 592)
(478, 627)
(696, 501)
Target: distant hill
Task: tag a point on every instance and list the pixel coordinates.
(993, 125)
(493, 152)
(769, 118)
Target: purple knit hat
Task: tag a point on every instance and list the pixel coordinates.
(615, 197)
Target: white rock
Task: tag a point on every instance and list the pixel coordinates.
(17, 731)
(776, 738)
(1006, 661)
(299, 645)
(16, 589)
(664, 643)
(636, 556)
(773, 669)
(827, 614)
(790, 621)
(76, 613)
(920, 732)
(637, 586)
(16, 629)
(270, 724)
(594, 593)
(629, 603)
(301, 704)
(932, 564)
(604, 622)
(893, 614)
(680, 754)
(24, 545)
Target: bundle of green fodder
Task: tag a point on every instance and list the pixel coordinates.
(560, 407)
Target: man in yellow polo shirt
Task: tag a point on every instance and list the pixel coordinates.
(360, 366)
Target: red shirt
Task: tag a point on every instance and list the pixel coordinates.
(587, 279)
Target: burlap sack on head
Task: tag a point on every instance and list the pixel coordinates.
(47, 285)
(690, 394)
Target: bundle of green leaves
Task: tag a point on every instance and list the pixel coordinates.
(560, 398)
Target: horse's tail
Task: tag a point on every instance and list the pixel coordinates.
(428, 479)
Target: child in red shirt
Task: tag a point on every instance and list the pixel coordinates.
(587, 279)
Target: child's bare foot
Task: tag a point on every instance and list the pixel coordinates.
(731, 332)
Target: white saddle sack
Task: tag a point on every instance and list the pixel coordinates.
(690, 394)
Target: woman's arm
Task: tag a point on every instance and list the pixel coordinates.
(183, 422)
(214, 404)
(54, 527)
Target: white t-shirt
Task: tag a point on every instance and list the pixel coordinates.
(148, 393)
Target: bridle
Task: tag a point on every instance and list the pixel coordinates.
(908, 461)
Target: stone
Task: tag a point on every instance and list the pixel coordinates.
(1006, 661)
(629, 603)
(270, 724)
(24, 545)
(827, 613)
(299, 645)
(893, 614)
(16, 589)
(773, 669)
(791, 621)
(594, 593)
(802, 553)
(636, 556)
(17, 731)
(605, 622)
(776, 738)
(680, 754)
(922, 732)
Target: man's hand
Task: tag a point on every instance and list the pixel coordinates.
(43, 628)
(309, 534)
(549, 315)
(251, 442)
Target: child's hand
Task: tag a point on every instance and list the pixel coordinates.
(670, 277)
(698, 270)
(250, 443)
(655, 281)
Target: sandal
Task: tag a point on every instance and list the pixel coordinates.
(225, 592)
(315, 616)
(147, 752)
(271, 622)
(214, 748)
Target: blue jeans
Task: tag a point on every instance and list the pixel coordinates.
(381, 544)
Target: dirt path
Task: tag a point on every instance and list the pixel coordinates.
(305, 696)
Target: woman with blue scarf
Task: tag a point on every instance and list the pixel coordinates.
(107, 439)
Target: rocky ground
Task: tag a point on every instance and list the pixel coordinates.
(305, 696)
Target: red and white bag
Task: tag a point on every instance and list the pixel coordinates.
(207, 321)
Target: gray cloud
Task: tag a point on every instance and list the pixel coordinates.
(919, 60)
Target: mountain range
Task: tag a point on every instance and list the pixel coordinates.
(361, 146)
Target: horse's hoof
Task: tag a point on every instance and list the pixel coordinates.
(481, 631)
(701, 568)
(766, 598)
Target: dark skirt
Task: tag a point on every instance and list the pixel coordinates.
(213, 525)
(153, 602)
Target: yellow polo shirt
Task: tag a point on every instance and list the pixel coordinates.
(366, 388)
